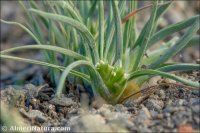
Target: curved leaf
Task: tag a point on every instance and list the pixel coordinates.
(141, 48)
(67, 5)
(159, 13)
(172, 29)
(194, 41)
(119, 35)
(180, 44)
(164, 74)
(97, 81)
(111, 28)
(130, 26)
(92, 10)
(101, 29)
(46, 47)
(61, 68)
(154, 55)
(77, 25)
(23, 27)
(179, 67)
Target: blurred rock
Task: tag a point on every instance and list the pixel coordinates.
(89, 123)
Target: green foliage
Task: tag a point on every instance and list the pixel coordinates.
(101, 50)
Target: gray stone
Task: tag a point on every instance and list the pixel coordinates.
(171, 109)
(196, 120)
(117, 127)
(182, 117)
(194, 101)
(143, 128)
(120, 108)
(156, 105)
(181, 102)
(34, 114)
(168, 102)
(104, 111)
(62, 101)
(31, 90)
(37, 114)
(196, 109)
(153, 113)
(89, 123)
(142, 116)
(161, 94)
(110, 115)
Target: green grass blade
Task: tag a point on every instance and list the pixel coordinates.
(161, 10)
(163, 74)
(35, 26)
(109, 20)
(39, 39)
(119, 36)
(31, 61)
(146, 36)
(28, 31)
(179, 67)
(75, 39)
(60, 37)
(54, 74)
(101, 29)
(33, 22)
(130, 29)
(82, 9)
(98, 84)
(172, 29)
(194, 41)
(73, 5)
(129, 36)
(111, 28)
(47, 47)
(92, 10)
(23, 27)
(67, 6)
(61, 68)
(180, 44)
(154, 55)
(77, 25)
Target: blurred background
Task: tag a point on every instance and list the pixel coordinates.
(16, 73)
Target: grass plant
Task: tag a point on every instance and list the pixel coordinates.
(99, 43)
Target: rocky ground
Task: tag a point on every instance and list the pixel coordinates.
(168, 108)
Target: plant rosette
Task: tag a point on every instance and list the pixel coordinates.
(104, 49)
